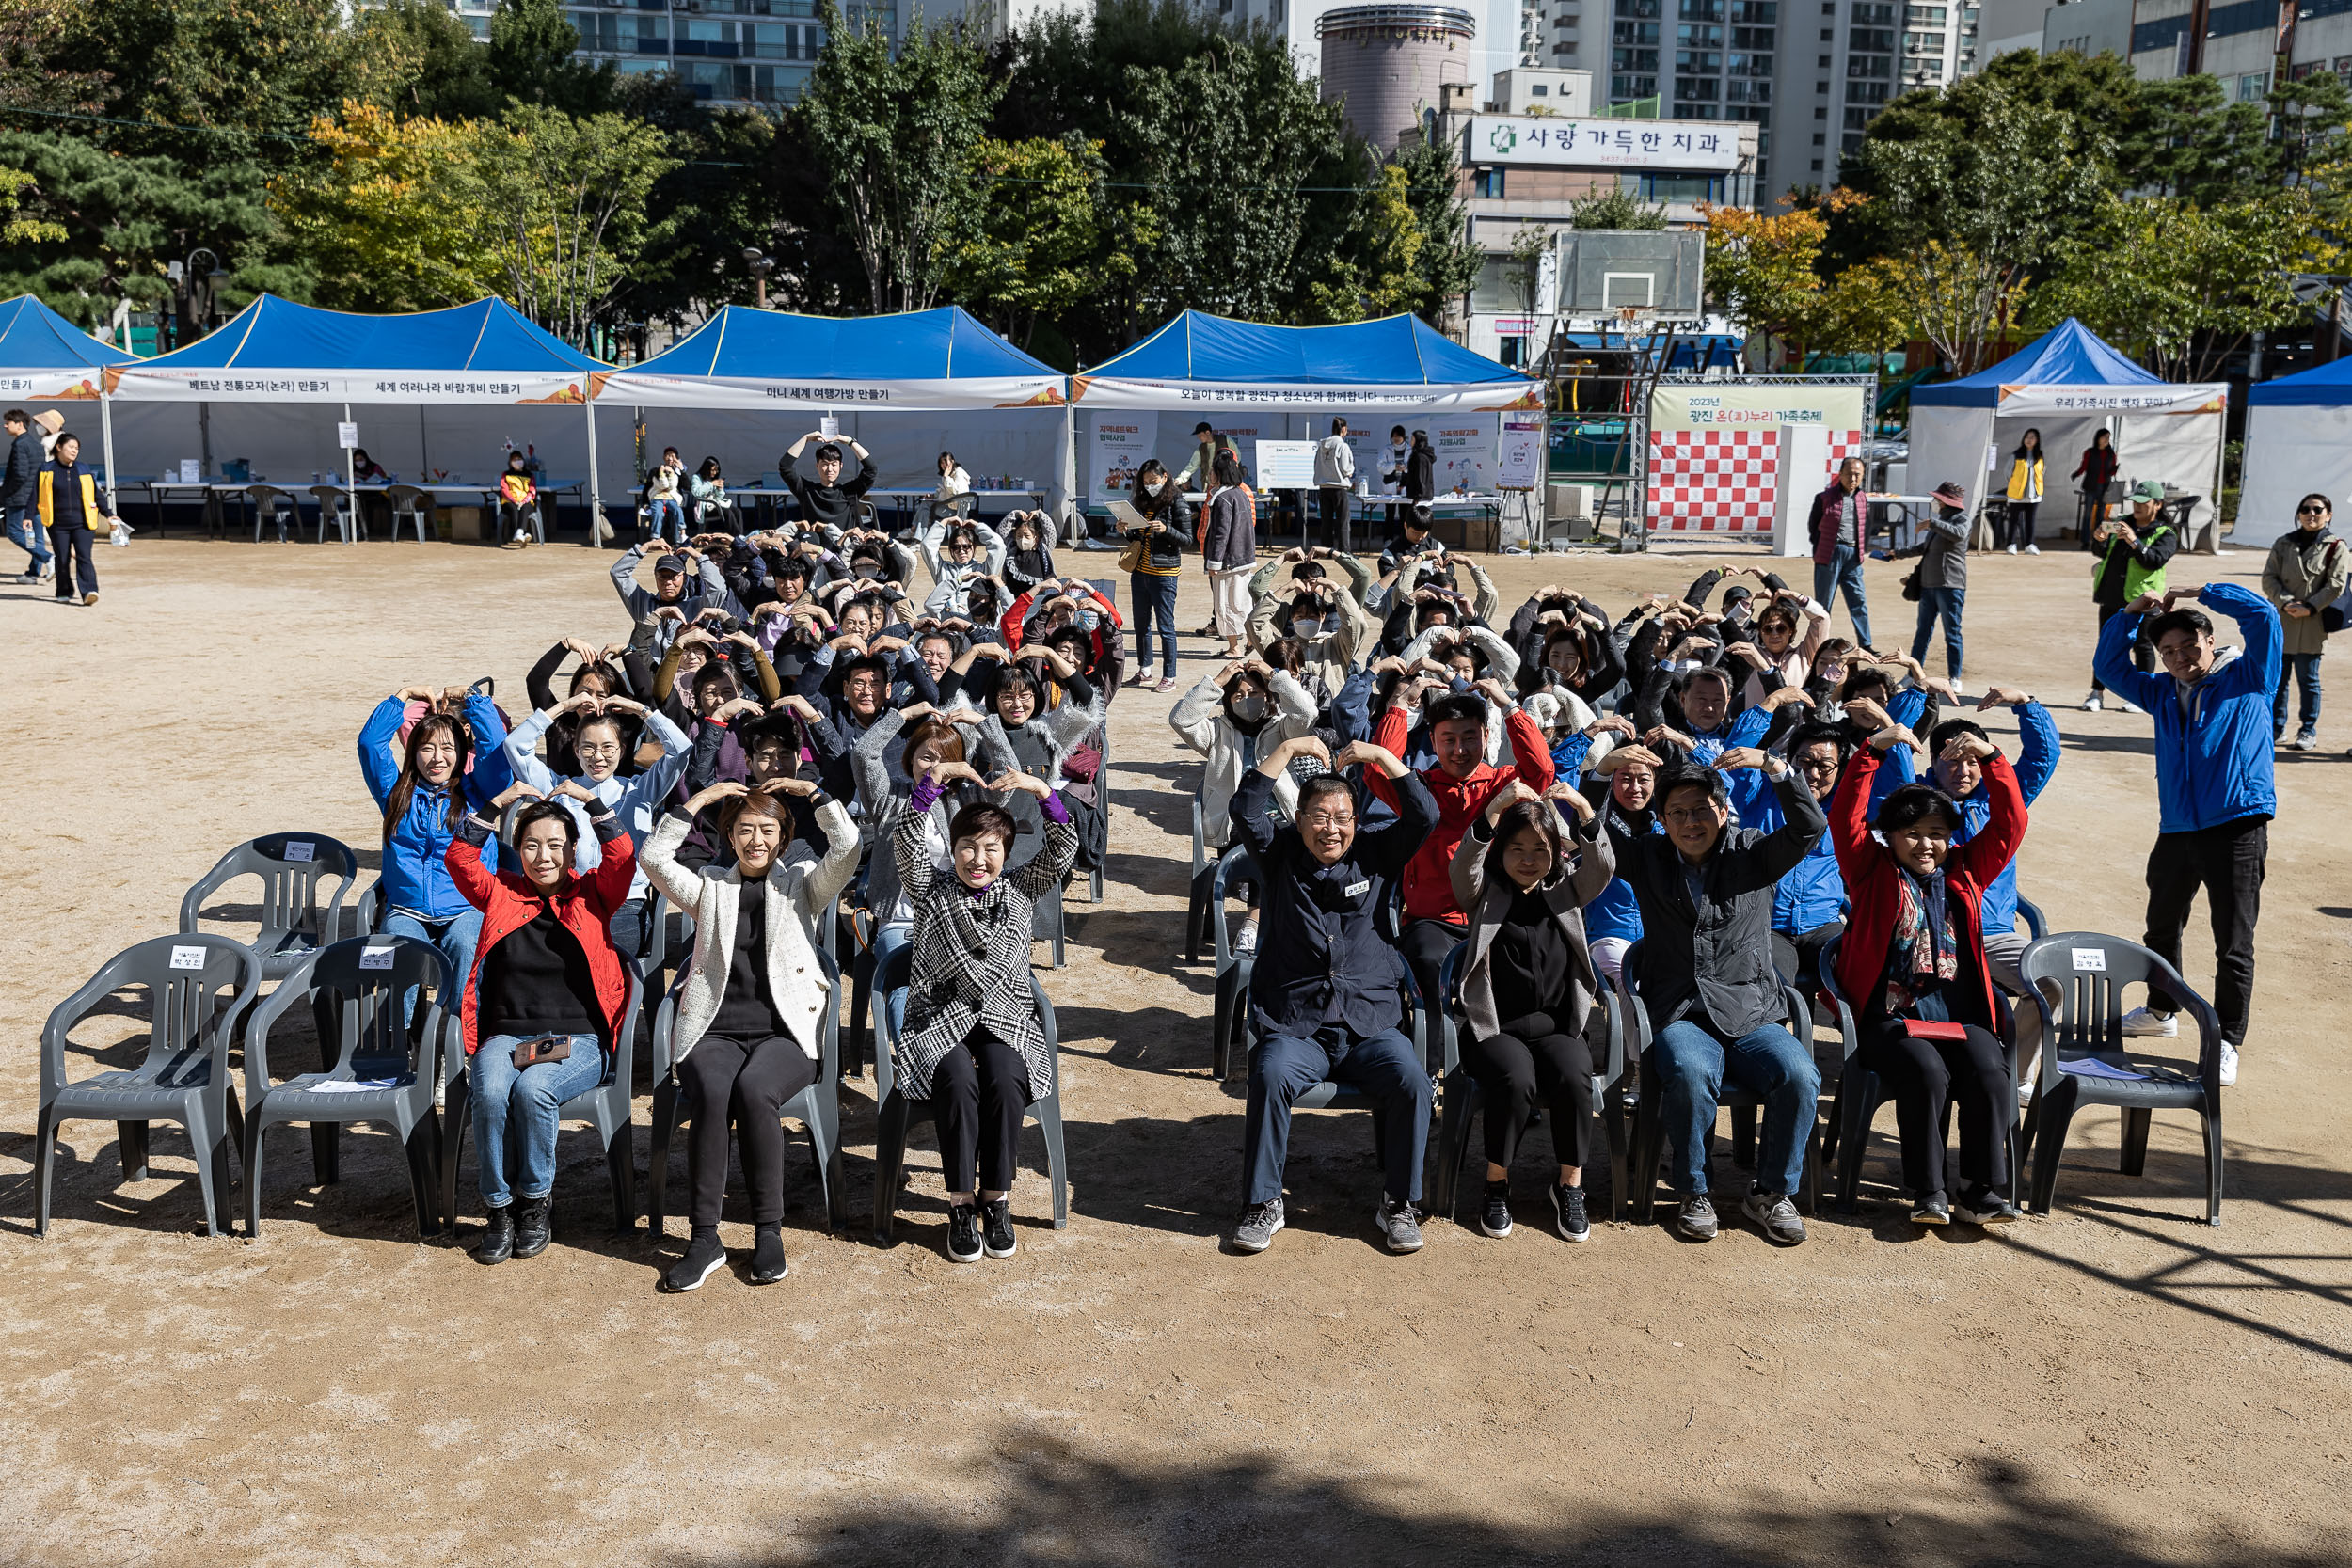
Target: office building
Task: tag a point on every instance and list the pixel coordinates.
(1839, 64)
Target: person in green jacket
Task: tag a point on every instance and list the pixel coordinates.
(2133, 552)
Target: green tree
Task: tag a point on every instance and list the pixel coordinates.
(897, 139)
(1046, 234)
(565, 206)
(2185, 141)
(1375, 270)
(2183, 287)
(1448, 263)
(432, 66)
(530, 60)
(1615, 209)
(386, 217)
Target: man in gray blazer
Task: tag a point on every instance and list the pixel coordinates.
(1705, 977)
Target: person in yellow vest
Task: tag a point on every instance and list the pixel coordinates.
(69, 511)
(2024, 494)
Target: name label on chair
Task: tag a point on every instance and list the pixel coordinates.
(187, 957)
(376, 957)
(2090, 960)
(301, 852)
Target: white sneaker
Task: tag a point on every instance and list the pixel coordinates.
(2012, 549)
(520, 537)
(2142, 1024)
(2033, 549)
(2092, 703)
(2130, 706)
(1247, 941)
(2229, 1064)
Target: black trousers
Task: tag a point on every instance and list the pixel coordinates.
(1799, 958)
(1533, 1059)
(2227, 863)
(77, 573)
(723, 1078)
(2017, 522)
(978, 1096)
(1425, 945)
(1926, 1075)
(2143, 651)
(511, 519)
(1331, 512)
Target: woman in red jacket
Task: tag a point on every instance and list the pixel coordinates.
(1912, 963)
(549, 988)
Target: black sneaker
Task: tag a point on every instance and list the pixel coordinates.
(963, 1233)
(997, 1238)
(499, 1244)
(1495, 1217)
(1986, 1208)
(1931, 1209)
(531, 1227)
(704, 1258)
(1696, 1217)
(1567, 1214)
(768, 1265)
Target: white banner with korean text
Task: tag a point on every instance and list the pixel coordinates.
(1666, 146)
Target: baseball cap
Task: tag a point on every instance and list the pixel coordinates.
(1203, 428)
(2148, 490)
(672, 564)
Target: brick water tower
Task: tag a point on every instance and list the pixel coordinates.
(1384, 64)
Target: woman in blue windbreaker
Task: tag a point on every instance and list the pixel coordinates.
(423, 798)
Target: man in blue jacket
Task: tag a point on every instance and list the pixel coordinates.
(1327, 991)
(1960, 773)
(2215, 792)
(17, 488)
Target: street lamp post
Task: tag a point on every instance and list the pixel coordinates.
(760, 266)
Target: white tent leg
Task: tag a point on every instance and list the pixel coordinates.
(106, 438)
(350, 488)
(595, 494)
(1062, 497)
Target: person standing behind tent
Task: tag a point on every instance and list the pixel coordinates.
(1229, 549)
(2096, 470)
(2306, 573)
(831, 501)
(2133, 565)
(1420, 469)
(2024, 494)
(18, 494)
(1335, 472)
(1839, 524)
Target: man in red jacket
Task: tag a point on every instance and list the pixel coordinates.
(1462, 782)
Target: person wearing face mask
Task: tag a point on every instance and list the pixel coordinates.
(1329, 622)
(972, 1043)
(599, 744)
(2303, 577)
(749, 1007)
(1622, 789)
(1526, 984)
(1243, 712)
(543, 1007)
(422, 800)
(1326, 993)
(1029, 558)
(1155, 561)
(1913, 964)
(1057, 603)
(518, 496)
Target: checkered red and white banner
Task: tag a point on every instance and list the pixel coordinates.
(1722, 480)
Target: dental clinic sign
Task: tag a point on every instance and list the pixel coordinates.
(1668, 146)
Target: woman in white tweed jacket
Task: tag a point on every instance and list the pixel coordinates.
(972, 1043)
(750, 1001)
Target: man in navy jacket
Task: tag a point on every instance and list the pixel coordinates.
(2215, 792)
(1328, 990)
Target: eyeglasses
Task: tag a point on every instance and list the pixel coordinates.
(2310, 512)
(1686, 816)
(1327, 820)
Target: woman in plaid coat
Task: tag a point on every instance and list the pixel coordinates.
(972, 1043)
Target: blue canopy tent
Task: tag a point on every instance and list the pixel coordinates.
(2067, 384)
(1252, 380)
(916, 382)
(277, 353)
(2299, 439)
(46, 358)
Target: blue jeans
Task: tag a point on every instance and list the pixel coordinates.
(455, 937)
(25, 533)
(1945, 602)
(2304, 669)
(1843, 570)
(1283, 1066)
(889, 938)
(1691, 1064)
(1154, 597)
(669, 520)
(523, 1105)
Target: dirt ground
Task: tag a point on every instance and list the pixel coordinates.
(2114, 1383)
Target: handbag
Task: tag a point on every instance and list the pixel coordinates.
(1135, 556)
(1911, 584)
(2331, 616)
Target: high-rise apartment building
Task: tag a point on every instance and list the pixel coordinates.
(1840, 63)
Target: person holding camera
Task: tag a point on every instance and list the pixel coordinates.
(546, 996)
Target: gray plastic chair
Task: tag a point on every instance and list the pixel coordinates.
(412, 507)
(198, 989)
(1228, 1029)
(2084, 1035)
(334, 503)
(266, 500)
(895, 1110)
(605, 1108)
(292, 925)
(358, 984)
(1461, 1099)
(818, 1107)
